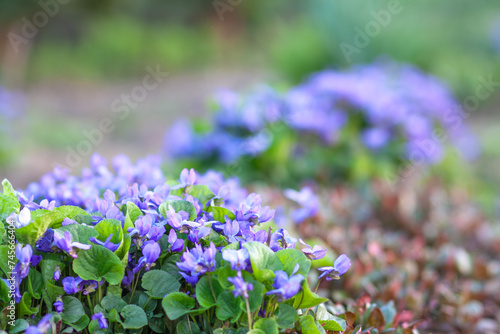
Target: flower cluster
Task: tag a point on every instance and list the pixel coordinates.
(384, 111)
(97, 253)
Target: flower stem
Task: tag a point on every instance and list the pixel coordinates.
(317, 285)
(100, 291)
(147, 301)
(249, 314)
(90, 304)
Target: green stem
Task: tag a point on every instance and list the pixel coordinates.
(147, 301)
(100, 291)
(249, 314)
(90, 304)
(317, 285)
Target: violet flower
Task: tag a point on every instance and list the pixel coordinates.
(58, 304)
(231, 229)
(43, 326)
(307, 200)
(22, 219)
(237, 258)
(44, 244)
(196, 262)
(26, 259)
(67, 245)
(286, 287)
(103, 323)
(108, 244)
(150, 254)
(142, 226)
(176, 244)
(340, 267)
(71, 285)
(241, 288)
(313, 253)
(57, 274)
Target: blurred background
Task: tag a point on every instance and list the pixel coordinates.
(67, 67)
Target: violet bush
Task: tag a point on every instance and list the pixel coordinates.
(368, 121)
(129, 252)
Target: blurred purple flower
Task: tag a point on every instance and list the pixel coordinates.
(241, 288)
(67, 245)
(286, 287)
(340, 267)
(239, 259)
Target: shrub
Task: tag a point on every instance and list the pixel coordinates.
(370, 121)
(164, 257)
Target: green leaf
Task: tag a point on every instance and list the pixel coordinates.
(30, 233)
(264, 261)
(306, 298)
(286, 316)
(256, 331)
(81, 324)
(53, 291)
(290, 258)
(329, 321)
(187, 327)
(8, 205)
(204, 293)
(220, 213)
(134, 317)
(35, 283)
(66, 211)
(99, 262)
(201, 192)
(170, 266)
(389, 312)
(110, 302)
(178, 205)
(8, 189)
(4, 292)
(48, 269)
(159, 283)
(133, 212)
(25, 306)
(228, 307)
(79, 233)
(309, 326)
(157, 325)
(19, 326)
(268, 325)
(177, 304)
(5, 258)
(106, 227)
(72, 309)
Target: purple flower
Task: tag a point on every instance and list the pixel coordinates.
(57, 274)
(241, 288)
(286, 287)
(43, 326)
(142, 226)
(313, 253)
(176, 244)
(197, 262)
(188, 178)
(307, 200)
(195, 235)
(340, 267)
(22, 219)
(26, 259)
(67, 245)
(238, 258)
(282, 240)
(58, 304)
(231, 229)
(128, 278)
(67, 221)
(44, 244)
(175, 219)
(108, 244)
(71, 285)
(156, 232)
(150, 254)
(375, 138)
(103, 323)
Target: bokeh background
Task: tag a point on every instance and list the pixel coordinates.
(64, 63)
